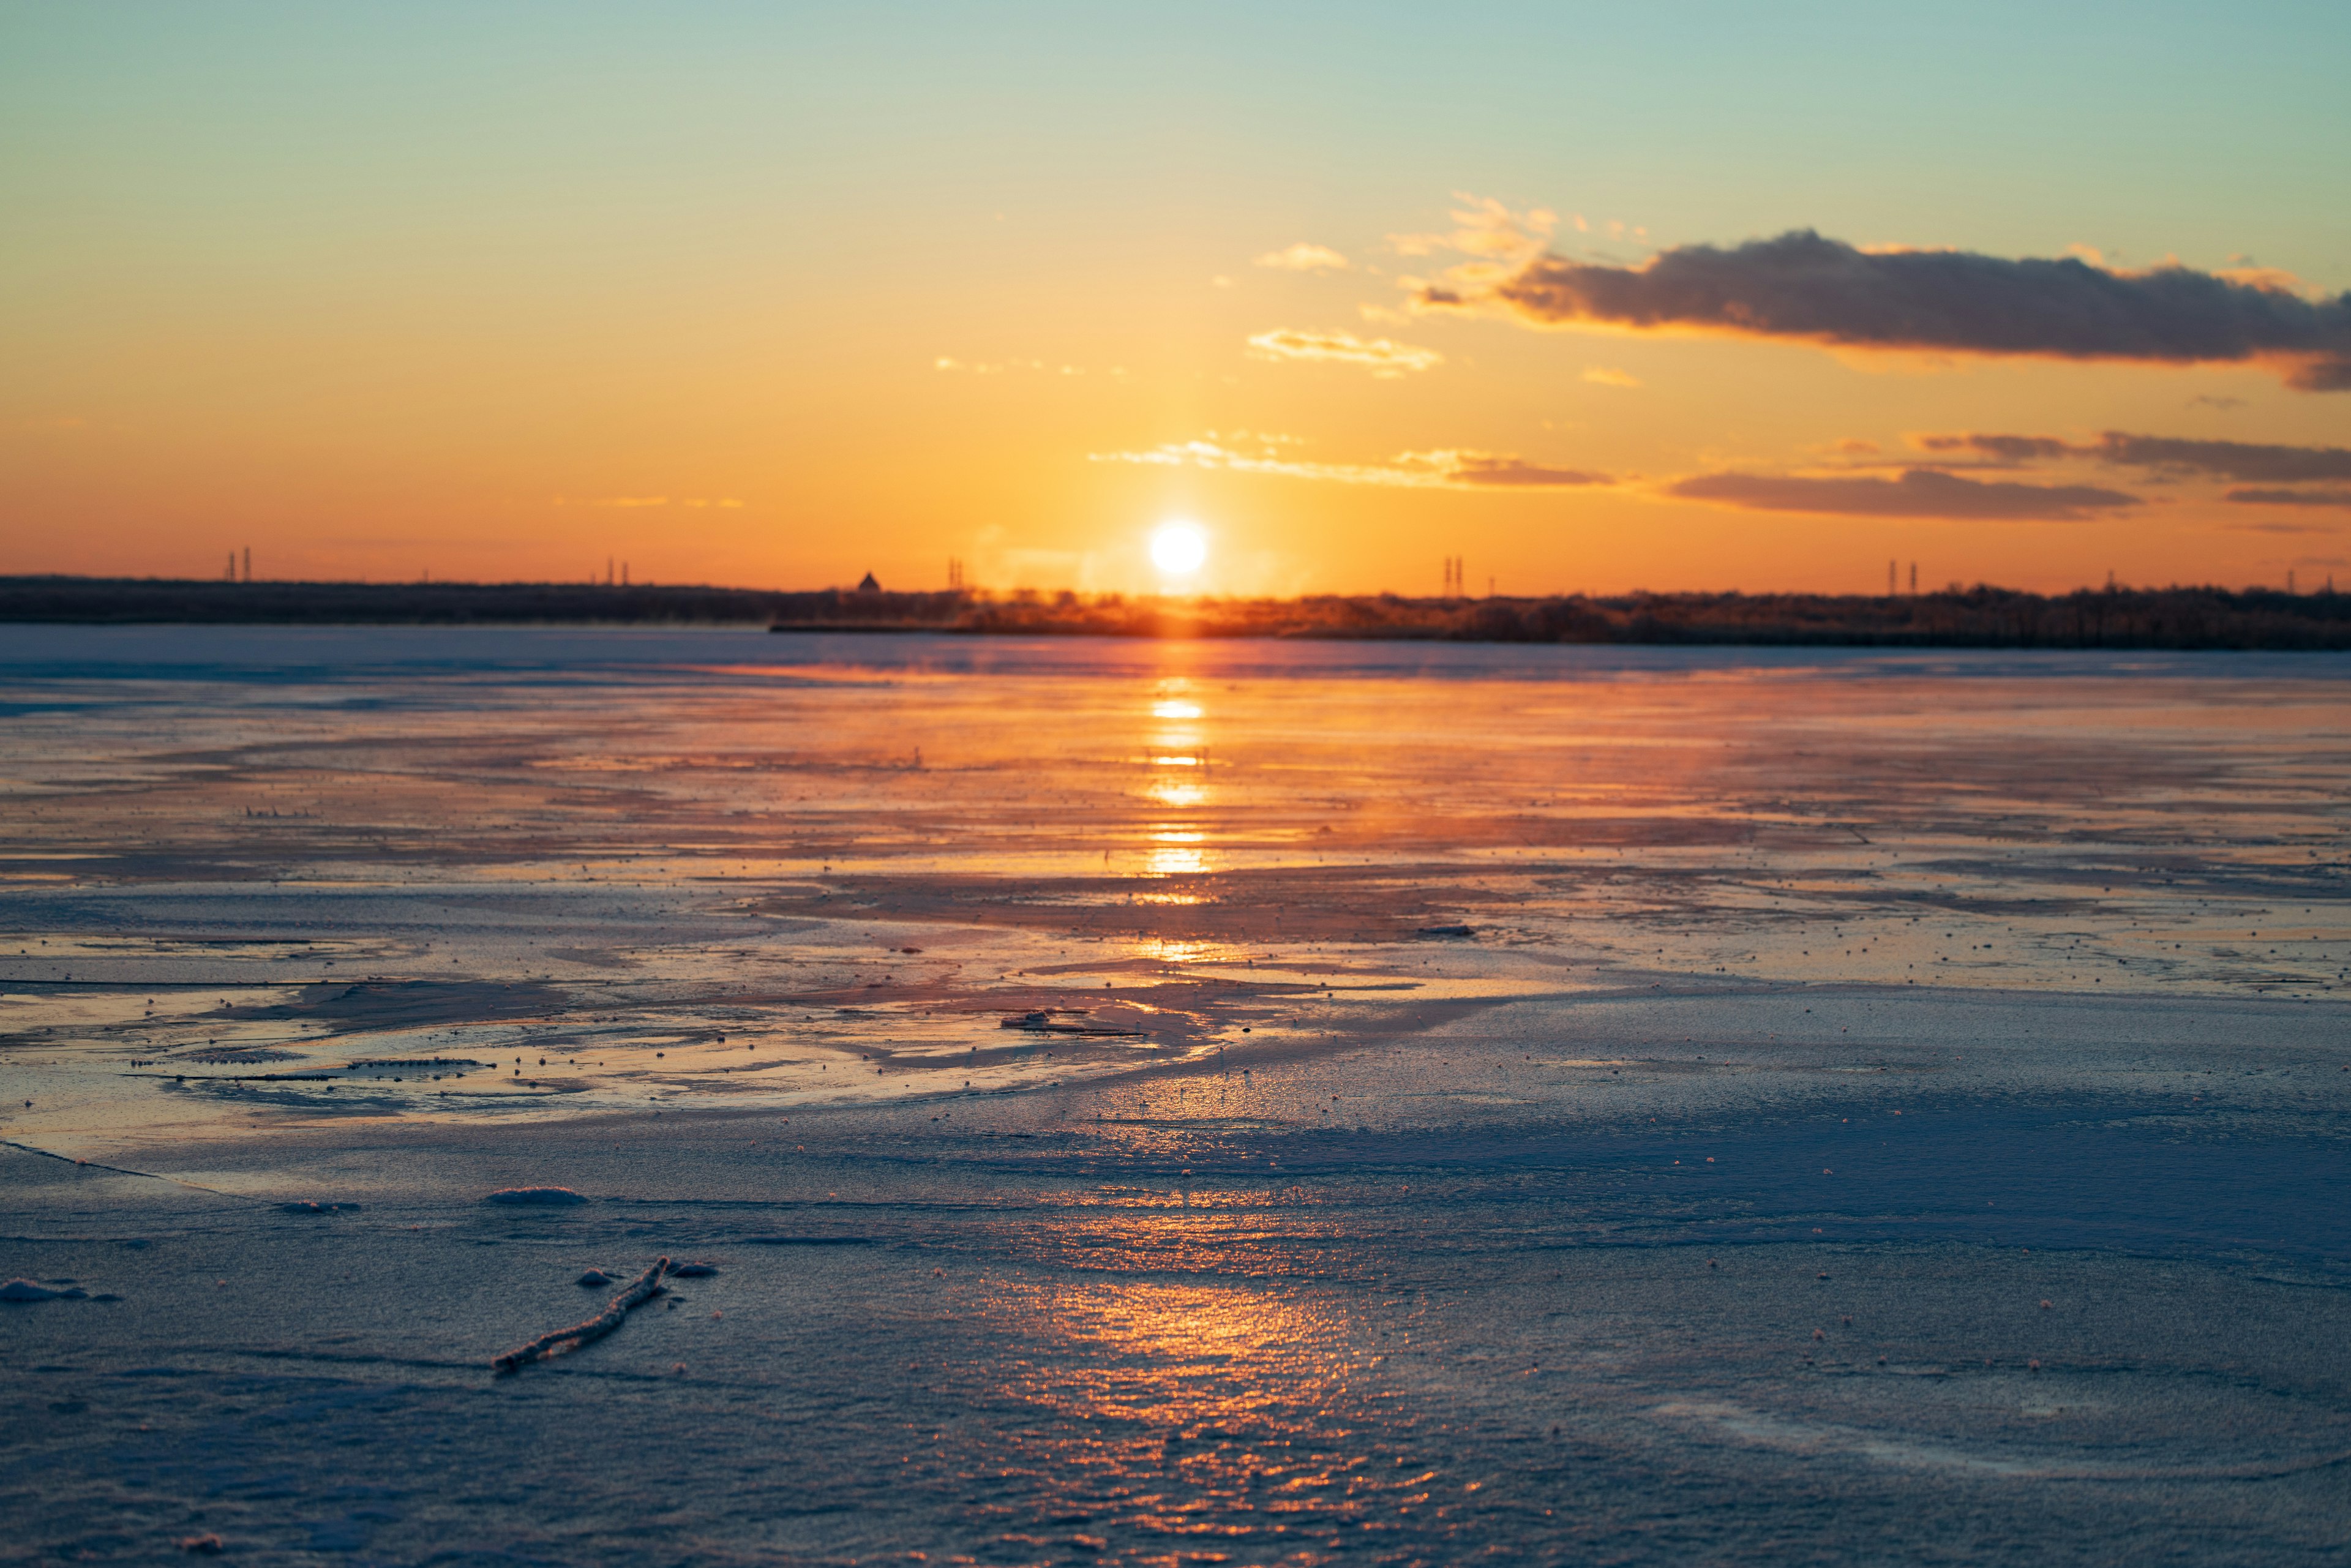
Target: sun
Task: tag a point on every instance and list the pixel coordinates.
(1179, 548)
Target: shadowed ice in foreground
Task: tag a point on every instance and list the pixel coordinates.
(1242, 1103)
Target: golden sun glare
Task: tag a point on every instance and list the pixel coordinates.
(1179, 548)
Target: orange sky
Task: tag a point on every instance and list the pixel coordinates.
(748, 301)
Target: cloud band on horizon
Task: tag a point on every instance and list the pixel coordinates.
(1920, 493)
(1448, 468)
(1805, 287)
(2253, 462)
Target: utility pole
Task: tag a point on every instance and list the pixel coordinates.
(1914, 580)
(955, 575)
(248, 563)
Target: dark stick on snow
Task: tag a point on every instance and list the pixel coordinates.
(648, 1284)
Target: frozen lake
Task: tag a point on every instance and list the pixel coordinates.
(1252, 1101)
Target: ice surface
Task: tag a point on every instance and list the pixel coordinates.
(1887, 1107)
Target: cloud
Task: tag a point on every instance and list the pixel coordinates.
(2008, 448)
(2270, 527)
(2291, 498)
(1005, 367)
(2254, 461)
(1920, 493)
(1604, 376)
(1485, 227)
(1805, 287)
(2247, 460)
(1382, 357)
(1305, 257)
(1446, 468)
(1501, 470)
(637, 501)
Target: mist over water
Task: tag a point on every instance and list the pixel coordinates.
(1238, 1102)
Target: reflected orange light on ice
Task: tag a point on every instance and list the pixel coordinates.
(1166, 861)
(1189, 1352)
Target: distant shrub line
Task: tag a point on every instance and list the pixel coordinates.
(1980, 617)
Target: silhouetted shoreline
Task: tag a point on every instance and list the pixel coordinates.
(1980, 617)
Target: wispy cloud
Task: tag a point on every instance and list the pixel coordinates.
(1477, 470)
(1607, 376)
(2272, 526)
(1381, 356)
(1803, 286)
(1485, 227)
(1444, 468)
(1920, 493)
(641, 501)
(2336, 499)
(1006, 367)
(1305, 257)
(2253, 462)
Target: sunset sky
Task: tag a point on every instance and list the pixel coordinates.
(1697, 296)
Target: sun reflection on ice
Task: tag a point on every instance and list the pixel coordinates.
(1214, 1412)
(1173, 861)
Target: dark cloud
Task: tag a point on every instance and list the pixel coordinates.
(2267, 526)
(2291, 498)
(2013, 448)
(2253, 462)
(1920, 493)
(2247, 460)
(1803, 286)
(1501, 470)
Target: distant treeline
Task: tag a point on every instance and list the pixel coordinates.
(1979, 617)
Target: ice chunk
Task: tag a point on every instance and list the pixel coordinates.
(646, 1286)
(538, 1195)
(32, 1291)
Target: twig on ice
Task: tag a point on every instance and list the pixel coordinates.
(647, 1284)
